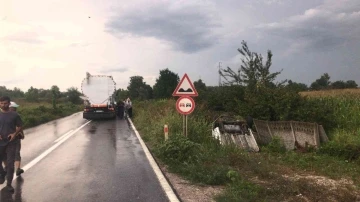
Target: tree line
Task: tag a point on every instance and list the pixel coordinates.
(252, 90)
(53, 94)
(253, 72)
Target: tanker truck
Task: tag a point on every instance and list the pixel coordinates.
(99, 97)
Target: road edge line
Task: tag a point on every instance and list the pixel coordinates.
(159, 174)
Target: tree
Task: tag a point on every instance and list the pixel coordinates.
(17, 93)
(45, 94)
(200, 85)
(231, 77)
(145, 92)
(3, 91)
(73, 95)
(298, 87)
(32, 95)
(338, 85)
(351, 84)
(165, 84)
(55, 95)
(253, 72)
(121, 94)
(138, 89)
(322, 83)
(202, 91)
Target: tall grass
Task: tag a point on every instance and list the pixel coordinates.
(34, 114)
(345, 133)
(202, 159)
(194, 156)
(346, 110)
(345, 102)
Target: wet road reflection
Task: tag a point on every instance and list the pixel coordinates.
(103, 161)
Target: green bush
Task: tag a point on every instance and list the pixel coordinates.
(276, 145)
(33, 116)
(221, 98)
(178, 149)
(344, 144)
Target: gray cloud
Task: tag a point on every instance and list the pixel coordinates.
(270, 2)
(114, 69)
(188, 27)
(322, 28)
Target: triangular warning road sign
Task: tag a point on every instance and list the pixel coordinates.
(185, 88)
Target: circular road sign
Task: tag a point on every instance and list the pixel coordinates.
(185, 105)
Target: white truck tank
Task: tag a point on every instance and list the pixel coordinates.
(99, 92)
(98, 89)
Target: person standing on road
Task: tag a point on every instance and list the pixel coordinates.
(10, 127)
(13, 107)
(129, 107)
(125, 107)
(121, 108)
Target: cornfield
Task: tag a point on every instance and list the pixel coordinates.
(346, 105)
(354, 92)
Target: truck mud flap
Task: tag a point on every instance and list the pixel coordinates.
(99, 115)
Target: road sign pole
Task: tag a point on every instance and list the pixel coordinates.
(186, 126)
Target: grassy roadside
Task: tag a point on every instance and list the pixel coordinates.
(34, 114)
(271, 175)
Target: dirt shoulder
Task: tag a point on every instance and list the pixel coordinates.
(296, 187)
(189, 192)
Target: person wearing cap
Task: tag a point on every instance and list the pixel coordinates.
(10, 125)
(13, 107)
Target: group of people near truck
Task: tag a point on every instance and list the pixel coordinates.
(11, 134)
(124, 107)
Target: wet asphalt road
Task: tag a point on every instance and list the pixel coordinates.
(103, 161)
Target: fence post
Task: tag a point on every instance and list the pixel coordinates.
(293, 131)
(166, 132)
(267, 124)
(316, 135)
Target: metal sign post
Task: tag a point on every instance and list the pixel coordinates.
(185, 106)
(185, 125)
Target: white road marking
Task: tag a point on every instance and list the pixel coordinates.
(163, 182)
(45, 153)
(57, 140)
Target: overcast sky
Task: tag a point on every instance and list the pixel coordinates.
(55, 42)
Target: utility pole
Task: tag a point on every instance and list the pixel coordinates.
(219, 74)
